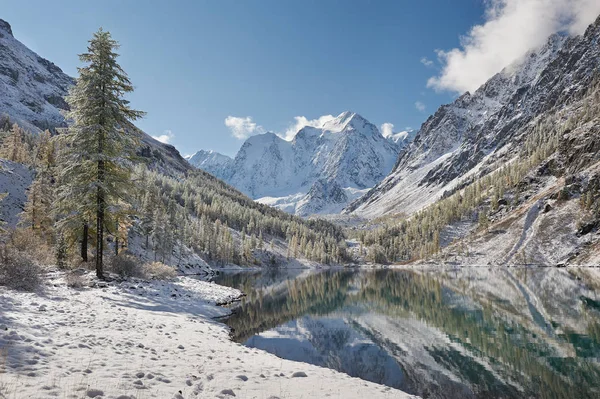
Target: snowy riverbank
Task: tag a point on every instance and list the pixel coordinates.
(145, 339)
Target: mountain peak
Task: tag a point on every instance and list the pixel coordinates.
(345, 120)
(350, 117)
(266, 137)
(5, 26)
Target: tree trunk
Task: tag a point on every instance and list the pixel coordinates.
(100, 205)
(117, 239)
(84, 242)
(99, 231)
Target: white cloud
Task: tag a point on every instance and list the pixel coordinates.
(511, 28)
(387, 129)
(302, 121)
(166, 137)
(242, 128)
(426, 61)
(420, 106)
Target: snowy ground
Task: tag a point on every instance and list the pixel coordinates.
(140, 339)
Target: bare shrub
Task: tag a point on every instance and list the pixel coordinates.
(18, 271)
(125, 265)
(25, 241)
(75, 279)
(159, 271)
(89, 265)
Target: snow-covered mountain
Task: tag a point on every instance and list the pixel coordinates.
(402, 138)
(211, 161)
(319, 171)
(465, 137)
(31, 87)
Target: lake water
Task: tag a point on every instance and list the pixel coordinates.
(437, 333)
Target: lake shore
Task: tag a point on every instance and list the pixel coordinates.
(145, 339)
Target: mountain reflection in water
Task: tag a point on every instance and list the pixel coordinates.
(437, 333)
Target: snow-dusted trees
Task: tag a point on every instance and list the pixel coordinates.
(94, 177)
(476, 201)
(146, 216)
(14, 146)
(162, 234)
(223, 225)
(38, 212)
(44, 157)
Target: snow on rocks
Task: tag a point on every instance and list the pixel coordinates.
(151, 339)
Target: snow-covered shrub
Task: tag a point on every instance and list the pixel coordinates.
(17, 270)
(75, 279)
(159, 271)
(126, 265)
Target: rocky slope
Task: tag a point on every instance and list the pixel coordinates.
(31, 87)
(464, 138)
(319, 171)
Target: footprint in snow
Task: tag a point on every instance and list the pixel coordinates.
(227, 392)
(138, 384)
(94, 393)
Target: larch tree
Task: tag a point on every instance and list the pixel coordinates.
(45, 152)
(37, 213)
(95, 176)
(14, 147)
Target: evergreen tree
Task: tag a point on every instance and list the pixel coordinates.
(61, 252)
(162, 236)
(147, 213)
(95, 174)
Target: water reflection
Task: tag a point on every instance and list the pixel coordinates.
(469, 333)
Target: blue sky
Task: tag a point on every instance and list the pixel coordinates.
(194, 63)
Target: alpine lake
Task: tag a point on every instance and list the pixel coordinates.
(452, 332)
